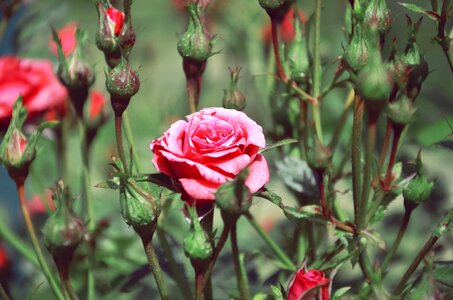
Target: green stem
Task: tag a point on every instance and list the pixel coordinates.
(396, 243)
(119, 140)
(192, 94)
(317, 71)
(274, 247)
(88, 197)
(3, 293)
(280, 70)
(241, 274)
(13, 240)
(207, 224)
(155, 266)
(342, 122)
(397, 130)
(369, 151)
(356, 154)
(131, 141)
(441, 36)
(385, 145)
(34, 240)
(177, 273)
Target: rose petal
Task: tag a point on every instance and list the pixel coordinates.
(258, 174)
(199, 189)
(233, 165)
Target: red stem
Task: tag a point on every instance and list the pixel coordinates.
(280, 70)
(396, 139)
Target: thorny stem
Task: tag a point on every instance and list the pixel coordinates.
(131, 141)
(385, 145)
(86, 192)
(369, 151)
(207, 224)
(396, 243)
(241, 274)
(341, 123)
(356, 154)
(274, 247)
(325, 210)
(396, 140)
(155, 266)
(280, 70)
(317, 71)
(442, 38)
(34, 240)
(119, 140)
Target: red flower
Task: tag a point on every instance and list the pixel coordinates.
(96, 104)
(37, 205)
(286, 27)
(35, 81)
(117, 18)
(67, 38)
(304, 283)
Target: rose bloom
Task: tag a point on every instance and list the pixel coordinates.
(210, 148)
(68, 39)
(286, 31)
(35, 81)
(303, 284)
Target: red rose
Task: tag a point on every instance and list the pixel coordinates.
(67, 38)
(210, 148)
(35, 81)
(116, 18)
(303, 285)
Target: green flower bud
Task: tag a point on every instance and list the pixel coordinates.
(197, 244)
(377, 13)
(298, 62)
(416, 66)
(64, 230)
(374, 82)
(356, 54)
(139, 207)
(276, 9)
(195, 43)
(74, 73)
(109, 24)
(401, 111)
(233, 98)
(122, 83)
(319, 156)
(17, 151)
(233, 197)
(419, 188)
(127, 34)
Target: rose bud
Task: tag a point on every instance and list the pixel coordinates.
(75, 74)
(306, 284)
(195, 44)
(356, 54)
(401, 111)
(319, 156)
(377, 12)
(374, 81)
(233, 98)
(68, 40)
(17, 151)
(233, 197)
(64, 230)
(110, 23)
(139, 207)
(197, 244)
(122, 83)
(419, 188)
(298, 61)
(127, 34)
(276, 9)
(416, 65)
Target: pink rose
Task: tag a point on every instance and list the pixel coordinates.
(210, 148)
(303, 285)
(35, 81)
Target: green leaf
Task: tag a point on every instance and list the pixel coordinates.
(277, 292)
(415, 8)
(271, 196)
(307, 212)
(279, 144)
(340, 292)
(443, 273)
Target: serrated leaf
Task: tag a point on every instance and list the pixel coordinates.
(307, 212)
(271, 196)
(297, 175)
(443, 273)
(374, 238)
(415, 8)
(278, 144)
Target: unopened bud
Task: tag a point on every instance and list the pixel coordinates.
(195, 43)
(401, 111)
(319, 156)
(122, 83)
(276, 9)
(419, 188)
(298, 61)
(356, 54)
(127, 34)
(197, 244)
(377, 13)
(64, 230)
(233, 97)
(233, 197)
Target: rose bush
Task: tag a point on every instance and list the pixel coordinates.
(35, 81)
(303, 284)
(210, 148)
